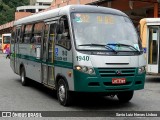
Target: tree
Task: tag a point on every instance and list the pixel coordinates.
(8, 8)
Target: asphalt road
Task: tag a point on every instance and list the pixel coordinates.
(15, 97)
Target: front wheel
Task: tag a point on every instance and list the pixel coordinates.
(63, 93)
(125, 96)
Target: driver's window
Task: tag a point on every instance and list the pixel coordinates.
(63, 34)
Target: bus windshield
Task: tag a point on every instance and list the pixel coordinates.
(114, 31)
(6, 39)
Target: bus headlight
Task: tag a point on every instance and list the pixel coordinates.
(91, 71)
(85, 69)
(141, 70)
(78, 68)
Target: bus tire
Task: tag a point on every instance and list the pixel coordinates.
(23, 77)
(63, 94)
(125, 97)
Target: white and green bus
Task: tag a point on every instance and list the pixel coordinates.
(79, 48)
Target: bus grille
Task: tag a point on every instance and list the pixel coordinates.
(116, 72)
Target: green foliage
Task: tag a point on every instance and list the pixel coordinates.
(8, 8)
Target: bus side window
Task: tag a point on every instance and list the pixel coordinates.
(27, 33)
(45, 40)
(63, 34)
(22, 33)
(17, 35)
(37, 33)
(13, 35)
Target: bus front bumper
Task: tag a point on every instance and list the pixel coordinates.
(88, 83)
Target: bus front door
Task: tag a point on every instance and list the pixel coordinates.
(153, 49)
(48, 55)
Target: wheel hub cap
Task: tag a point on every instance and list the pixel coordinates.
(22, 77)
(62, 93)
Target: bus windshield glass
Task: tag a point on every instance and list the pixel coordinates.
(94, 31)
(6, 39)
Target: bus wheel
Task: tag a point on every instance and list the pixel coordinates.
(63, 93)
(125, 96)
(23, 77)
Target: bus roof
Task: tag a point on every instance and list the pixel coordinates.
(66, 10)
(151, 20)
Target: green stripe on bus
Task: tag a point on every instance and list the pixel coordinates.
(63, 64)
(56, 63)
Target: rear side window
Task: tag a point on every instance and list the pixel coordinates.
(37, 33)
(27, 33)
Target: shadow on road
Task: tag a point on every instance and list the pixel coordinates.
(153, 79)
(100, 103)
(83, 101)
(41, 88)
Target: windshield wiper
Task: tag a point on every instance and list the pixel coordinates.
(91, 45)
(106, 46)
(130, 46)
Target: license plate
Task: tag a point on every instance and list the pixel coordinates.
(118, 80)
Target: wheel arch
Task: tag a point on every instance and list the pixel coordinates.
(58, 77)
(20, 67)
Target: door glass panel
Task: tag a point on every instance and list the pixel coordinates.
(153, 46)
(45, 42)
(51, 53)
(51, 43)
(44, 55)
